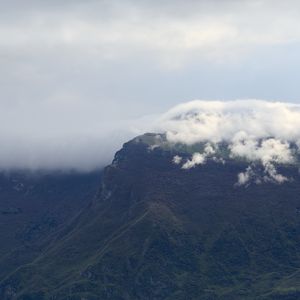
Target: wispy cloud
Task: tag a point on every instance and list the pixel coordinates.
(255, 130)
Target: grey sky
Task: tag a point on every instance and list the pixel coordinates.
(74, 72)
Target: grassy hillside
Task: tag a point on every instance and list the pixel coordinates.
(34, 207)
(156, 231)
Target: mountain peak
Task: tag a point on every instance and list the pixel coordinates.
(264, 160)
(159, 230)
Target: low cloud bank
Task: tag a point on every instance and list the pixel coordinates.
(261, 132)
(215, 121)
(68, 145)
(257, 131)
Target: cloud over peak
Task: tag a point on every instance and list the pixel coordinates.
(255, 130)
(199, 120)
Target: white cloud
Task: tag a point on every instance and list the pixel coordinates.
(177, 159)
(260, 174)
(272, 174)
(267, 150)
(197, 159)
(216, 121)
(257, 131)
(245, 177)
(209, 149)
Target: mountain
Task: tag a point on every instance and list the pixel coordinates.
(155, 230)
(34, 207)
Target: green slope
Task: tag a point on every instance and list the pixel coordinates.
(155, 231)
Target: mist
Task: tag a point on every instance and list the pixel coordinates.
(79, 78)
(67, 138)
(58, 137)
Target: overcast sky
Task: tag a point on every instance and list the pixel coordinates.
(74, 72)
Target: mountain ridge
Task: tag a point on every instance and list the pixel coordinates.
(157, 231)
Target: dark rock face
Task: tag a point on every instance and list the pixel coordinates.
(155, 231)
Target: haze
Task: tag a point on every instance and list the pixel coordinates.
(79, 78)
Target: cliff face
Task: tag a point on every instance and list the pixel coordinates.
(157, 231)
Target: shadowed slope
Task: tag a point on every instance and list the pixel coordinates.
(156, 231)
